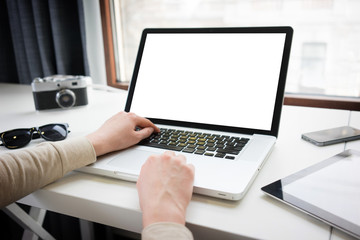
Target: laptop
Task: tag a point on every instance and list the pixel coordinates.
(216, 94)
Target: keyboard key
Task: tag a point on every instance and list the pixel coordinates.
(233, 152)
(220, 155)
(189, 150)
(200, 152)
(211, 149)
(164, 146)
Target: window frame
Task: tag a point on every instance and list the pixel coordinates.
(305, 100)
(109, 53)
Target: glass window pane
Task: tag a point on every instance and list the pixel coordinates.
(325, 57)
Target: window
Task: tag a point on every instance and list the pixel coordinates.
(325, 57)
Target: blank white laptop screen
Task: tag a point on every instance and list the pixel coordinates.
(227, 79)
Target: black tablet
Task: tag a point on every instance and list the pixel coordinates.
(328, 191)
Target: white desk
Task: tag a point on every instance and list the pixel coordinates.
(115, 203)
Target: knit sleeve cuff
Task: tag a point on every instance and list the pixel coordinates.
(166, 230)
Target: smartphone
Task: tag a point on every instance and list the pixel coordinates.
(332, 136)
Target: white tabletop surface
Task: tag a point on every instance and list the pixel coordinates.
(115, 202)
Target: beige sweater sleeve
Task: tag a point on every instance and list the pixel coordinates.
(166, 230)
(26, 170)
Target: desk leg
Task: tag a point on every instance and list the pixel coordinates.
(38, 214)
(87, 230)
(25, 221)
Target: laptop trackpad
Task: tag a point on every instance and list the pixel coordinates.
(130, 160)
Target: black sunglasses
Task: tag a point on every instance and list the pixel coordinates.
(18, 138)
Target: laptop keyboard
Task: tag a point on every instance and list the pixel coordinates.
(212, 145)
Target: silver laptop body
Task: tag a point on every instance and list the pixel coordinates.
(218, 83)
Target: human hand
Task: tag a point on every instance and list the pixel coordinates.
(165, 188)
(118, 132)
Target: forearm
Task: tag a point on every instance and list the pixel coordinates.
(26, 170)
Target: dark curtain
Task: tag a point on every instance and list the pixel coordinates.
(40, 38)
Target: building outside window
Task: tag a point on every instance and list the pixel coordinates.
(325, 55)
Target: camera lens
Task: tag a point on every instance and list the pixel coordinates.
(65, 98)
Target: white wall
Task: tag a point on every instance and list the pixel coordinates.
(94, 41)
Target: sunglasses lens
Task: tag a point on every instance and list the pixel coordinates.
(54, 132)
(16, 138)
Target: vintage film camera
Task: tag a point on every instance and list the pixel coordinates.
(60, 91)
